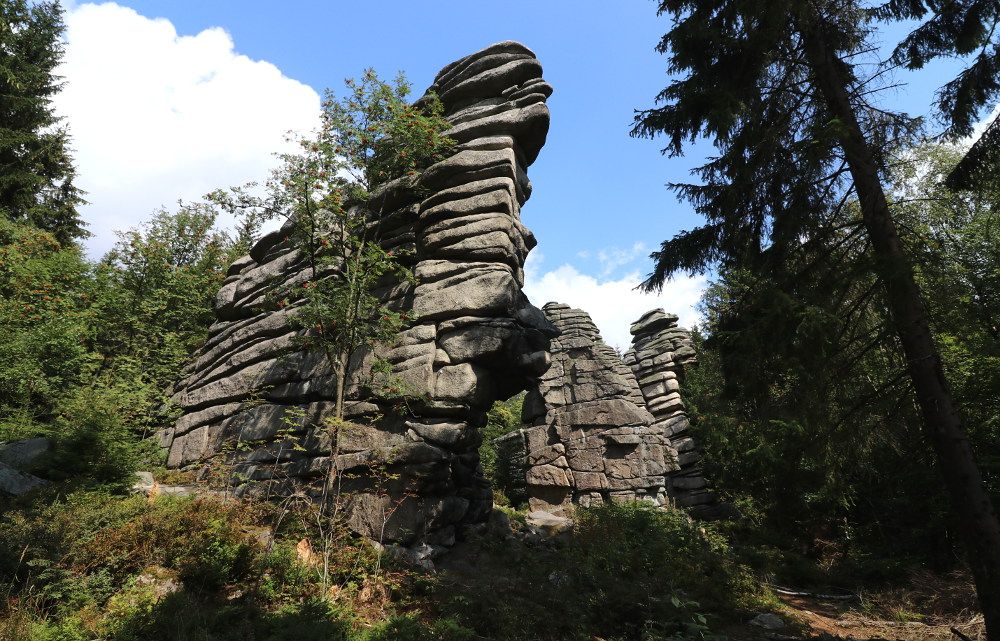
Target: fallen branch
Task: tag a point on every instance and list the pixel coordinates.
(958, 634)
(814, 595)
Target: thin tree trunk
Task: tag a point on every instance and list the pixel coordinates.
(341, 372)
(977, 519)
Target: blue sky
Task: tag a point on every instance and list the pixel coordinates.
(599, 204)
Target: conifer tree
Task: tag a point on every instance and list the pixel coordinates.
(36, 170)
(784, 91)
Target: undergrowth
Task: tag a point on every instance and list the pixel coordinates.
(627, 572)
(94, 565)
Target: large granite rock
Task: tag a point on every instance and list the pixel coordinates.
(255, 402)
(26, 453)
(661, 350)
(590, 438)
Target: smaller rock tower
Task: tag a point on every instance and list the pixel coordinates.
(591, 439)
(660, 353)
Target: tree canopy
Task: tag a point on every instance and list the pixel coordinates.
(789, 94)
(36, 169)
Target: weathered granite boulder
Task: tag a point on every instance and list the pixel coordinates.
(17, 460)
(15, 482)
(661, 350)
(254, 403)
(590, 438)
(25, 453)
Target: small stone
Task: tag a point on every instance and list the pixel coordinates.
(768, 621)
(547, 524)
(143, 483)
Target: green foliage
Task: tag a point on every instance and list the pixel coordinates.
(627, 572)
(44, 325)
(503, 418)
(408, 628)
(800, 365)
(329, 194)
(98, 566)
(743, 78)
(153, 302)
(88, 352)
(956, 238)
(812, 416)
(36, 184)
(94, 435)
(958, 29)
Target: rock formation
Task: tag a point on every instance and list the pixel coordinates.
(659, 355)
(590, 438)
(255, 401)
(600, 427)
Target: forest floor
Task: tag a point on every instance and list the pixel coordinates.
(926, 607)
(91, 564)
(892, 615)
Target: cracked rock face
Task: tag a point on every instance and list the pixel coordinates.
(609, 428)
(255, 401)
(659, 355)
(591, 439)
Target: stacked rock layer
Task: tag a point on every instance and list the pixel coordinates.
(659, 355)
(590, 438)
(252, 398)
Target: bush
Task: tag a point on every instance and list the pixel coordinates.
(628, 571)
(94, 437)
(95, 565)
(646, 570)
(408, 628)
(498, 463)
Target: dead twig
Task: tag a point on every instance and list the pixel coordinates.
(960, 635)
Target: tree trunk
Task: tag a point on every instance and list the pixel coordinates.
(341, 372)
(977, 519)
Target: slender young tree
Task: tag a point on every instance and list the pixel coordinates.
(369, 137)
(36, 170)
(787, 91)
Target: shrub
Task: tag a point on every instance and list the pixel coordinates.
(498, 463)
(408, 628)
(94, 437)
(627, 572)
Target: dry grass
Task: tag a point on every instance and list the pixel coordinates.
(923, 609)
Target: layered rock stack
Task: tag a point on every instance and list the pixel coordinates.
(255, 401)
(659, 355)
(590, 438)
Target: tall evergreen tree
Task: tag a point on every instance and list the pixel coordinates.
(786, 91)
(36, 170)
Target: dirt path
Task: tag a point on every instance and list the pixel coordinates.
(839, 620)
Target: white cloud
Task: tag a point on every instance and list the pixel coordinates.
(615, 257)
(981, 126)
(614, 304)
(156, 117)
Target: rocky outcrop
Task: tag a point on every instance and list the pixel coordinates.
(590, 438)
(255, 404)
(601, 427)
(659, 355)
